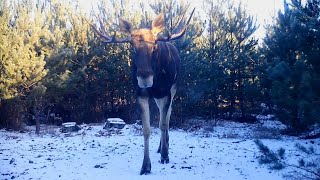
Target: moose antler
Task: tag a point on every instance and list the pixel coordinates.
(104, 37)
(178, 35)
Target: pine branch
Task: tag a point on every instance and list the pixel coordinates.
(277, 159)
(304, 169)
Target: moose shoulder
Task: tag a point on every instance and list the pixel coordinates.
(156, 64)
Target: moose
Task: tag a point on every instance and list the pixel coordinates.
(156, 66)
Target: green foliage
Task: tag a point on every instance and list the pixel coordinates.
(85, 81)
(229, 53)
(22, 63)
(302, 148)
(302, 162)
(272, 159)
(308, 166)
(281, 153)
(53, 63)
(290, 48)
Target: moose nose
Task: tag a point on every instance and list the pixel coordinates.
(145, 82)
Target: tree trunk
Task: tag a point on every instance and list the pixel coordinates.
(240, 81)
(37, 126)
(232, 98)
(241, 97)
(48, 114)
(37, 118)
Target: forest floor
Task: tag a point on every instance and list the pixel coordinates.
(224, 151)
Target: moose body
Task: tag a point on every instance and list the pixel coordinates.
(156, 65)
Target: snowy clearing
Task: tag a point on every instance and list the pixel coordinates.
(227, 152)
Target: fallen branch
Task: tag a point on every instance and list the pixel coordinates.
(311, 136)
(239, 141)
(301, 168)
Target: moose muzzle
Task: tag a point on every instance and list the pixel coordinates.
(145, 82)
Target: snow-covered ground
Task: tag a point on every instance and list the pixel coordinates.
(226, 151)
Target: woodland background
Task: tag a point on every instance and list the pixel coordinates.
(53, 68)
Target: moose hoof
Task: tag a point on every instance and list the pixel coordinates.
(164, 160)
(146, 168)
(144, 172)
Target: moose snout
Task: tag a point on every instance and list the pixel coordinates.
(145, 82)
(145, 78)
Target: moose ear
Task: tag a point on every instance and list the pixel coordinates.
(158, 24)
(125, 26)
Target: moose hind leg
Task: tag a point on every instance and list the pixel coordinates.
(163, 105)
(145, 116)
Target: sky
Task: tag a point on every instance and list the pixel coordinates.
(264, 10)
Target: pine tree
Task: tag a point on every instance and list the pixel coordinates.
(291, 47)
(233, 49)
(22, 64)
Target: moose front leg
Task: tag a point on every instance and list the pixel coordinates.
(145, 116)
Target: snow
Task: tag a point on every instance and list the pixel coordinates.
(227, 152)
(69, 124)
(116, 120)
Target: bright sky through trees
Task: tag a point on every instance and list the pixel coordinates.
(264, 10)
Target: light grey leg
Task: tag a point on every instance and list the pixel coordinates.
(145, 116)
(164, 105)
